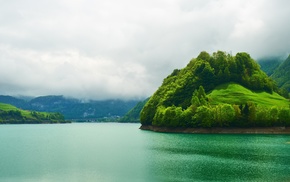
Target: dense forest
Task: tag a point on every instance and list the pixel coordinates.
(186, 97)
(11, 115)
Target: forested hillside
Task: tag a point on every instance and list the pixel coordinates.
(186, 97)
(12, 115)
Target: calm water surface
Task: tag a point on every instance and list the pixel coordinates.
(112, 152)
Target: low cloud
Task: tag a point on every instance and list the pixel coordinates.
(72, 74)
(124, 49)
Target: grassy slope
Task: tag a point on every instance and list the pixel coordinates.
(27, 114)
(233, 93)
(8, 107)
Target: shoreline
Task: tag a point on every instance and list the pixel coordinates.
(218, 130)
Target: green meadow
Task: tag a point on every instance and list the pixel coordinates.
(233, 93)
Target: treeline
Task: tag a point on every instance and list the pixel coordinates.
(173, 105)
(16, 117)
(202, 114)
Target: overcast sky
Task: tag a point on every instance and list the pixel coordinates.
(101, 49)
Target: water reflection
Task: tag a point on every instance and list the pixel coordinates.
(112, 152)
(187, 157)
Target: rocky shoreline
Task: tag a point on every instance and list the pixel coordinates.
(256, 130)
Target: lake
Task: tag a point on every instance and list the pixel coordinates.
(113, 152)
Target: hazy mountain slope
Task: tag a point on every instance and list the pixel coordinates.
(268, 65)
(20, 103)
(134, 114)
(74, 108)
(282, 75)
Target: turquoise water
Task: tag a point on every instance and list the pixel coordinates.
(112, 152)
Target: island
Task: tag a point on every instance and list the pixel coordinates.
(218, 93)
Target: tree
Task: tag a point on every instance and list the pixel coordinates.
(201, 92)
(238, 115)
(187, 117)
(284, 117)
(158, 119)
(203, 117)
(262, 117)
(172, 116)
(227, 74)
(227, 114)
(274, 115)
(208, 77)
(204, 56)
(252, 113)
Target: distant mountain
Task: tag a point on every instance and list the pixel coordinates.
(74, 108)
(133, 116)
(268, 65)
(281, 75)
(20, 103)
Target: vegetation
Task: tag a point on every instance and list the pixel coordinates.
(12, 115)
(270, 64)
(74, 109)
(282, 76)
(239, 94)
(232, 93)
(134, 114)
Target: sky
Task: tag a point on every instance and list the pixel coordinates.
(123, 49)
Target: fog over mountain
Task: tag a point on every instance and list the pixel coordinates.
(123, 49)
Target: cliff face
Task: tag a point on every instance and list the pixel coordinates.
(183, 100)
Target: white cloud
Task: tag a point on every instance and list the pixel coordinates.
(123, 49)
(71, 73)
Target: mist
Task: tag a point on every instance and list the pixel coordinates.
(123, 49)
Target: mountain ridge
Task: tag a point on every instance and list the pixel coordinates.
(74, 108)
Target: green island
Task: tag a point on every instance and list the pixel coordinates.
(10, 114)
(218, 93)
